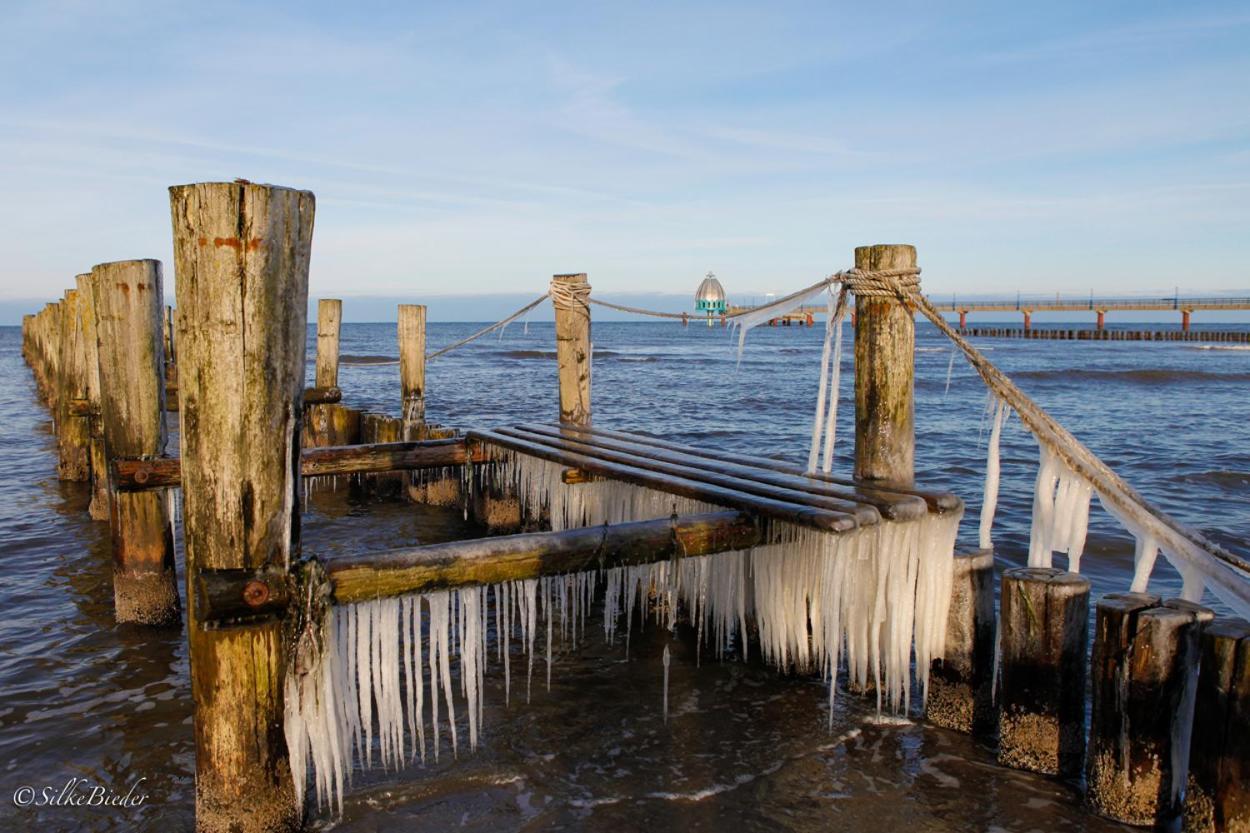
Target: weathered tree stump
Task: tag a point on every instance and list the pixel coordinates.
(128, 303)
(241, 251)
(1041, 694)
(961, 684)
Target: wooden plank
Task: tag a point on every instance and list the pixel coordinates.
(895, 507)
(864, 514)
(824, 519)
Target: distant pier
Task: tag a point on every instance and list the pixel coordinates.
(1108, 335)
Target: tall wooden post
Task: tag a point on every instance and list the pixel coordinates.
(1144, 673)
(570, 296)
(412, 367)
(1041, 695)
(127, 299)
(73, 429)
(961, 683)
(98, 456)
(885, 344)
(241, 252)
(329, 322)
(1218, 799)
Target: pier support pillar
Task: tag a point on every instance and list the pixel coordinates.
(570, 296)
(1185, 320)
(1102, 320)
(1218, 795)
(1041, 695)
(128, 304)
(885, 342)
(963, 319)
(241, 251)
(1028, 320)
(961, 683)
(1144, 671)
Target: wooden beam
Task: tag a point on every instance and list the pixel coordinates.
(134, 474)
(329, 321)
(531, 555)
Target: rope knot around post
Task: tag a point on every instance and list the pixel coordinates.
(571, 292)
(881, 283)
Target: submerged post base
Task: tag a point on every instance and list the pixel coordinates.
(961, 683)
(146, 598)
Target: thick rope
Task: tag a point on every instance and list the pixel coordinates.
(641, 311)
(498, 324)
(1224, 569)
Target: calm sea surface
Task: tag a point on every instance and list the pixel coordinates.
(744, 749)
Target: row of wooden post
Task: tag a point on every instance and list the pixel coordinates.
(242, 302)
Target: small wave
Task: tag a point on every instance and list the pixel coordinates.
(1147, 376)
(1217, 346)
(551, 354)
(348, 358)
(934, 349)
(1237, 480)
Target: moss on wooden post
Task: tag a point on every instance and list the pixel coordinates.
(241, 252)
(128, 300)
(885, 343)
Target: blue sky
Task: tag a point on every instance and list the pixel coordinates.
(481, 147)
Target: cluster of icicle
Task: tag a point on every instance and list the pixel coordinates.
(1061, 503)
(867, 600)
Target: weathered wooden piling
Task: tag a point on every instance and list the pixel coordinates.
(1144, 671)
(885, 342)
(570, 298)
(412, 368)
(1218, 788)
(72, 424)
(961, 683)
(127, 297)
(241, 252)
(1041, 695)
(96, 452)
(329, 324)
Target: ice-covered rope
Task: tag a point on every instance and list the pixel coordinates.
(484, 331)
(1199, 560)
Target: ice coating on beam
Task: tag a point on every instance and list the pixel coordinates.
(870, 599)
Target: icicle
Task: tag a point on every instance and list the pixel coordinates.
(818, 422)
(989, 502)
(1040, 546)
(666, 662)
(950, 371)
(835, 385)
(1144, 556)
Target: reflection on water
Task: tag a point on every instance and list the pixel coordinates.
(744, 748)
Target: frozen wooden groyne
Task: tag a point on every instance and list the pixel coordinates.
(304, 667)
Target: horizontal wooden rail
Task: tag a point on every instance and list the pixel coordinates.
(769, 507)
(230, 596)
(131, 474)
